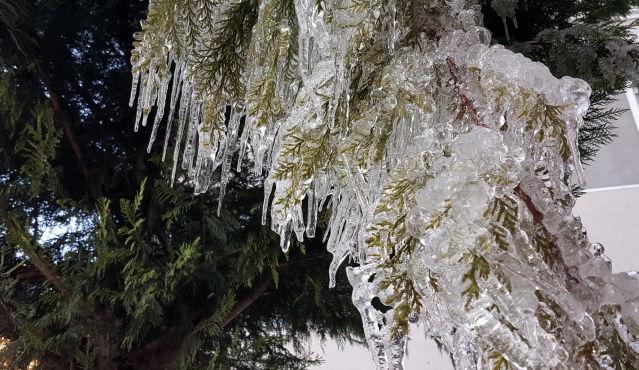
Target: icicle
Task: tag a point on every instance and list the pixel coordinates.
(505, 9)
(310, 48)
(154, 131)
(297, 222)
(243, 143)
(268, 189)
(205, 168)
(392, 26)
(138, 116)
(165, 80)
(223, 182)
(146, 94)
(333, 205)
(145, 117)
(503, 19)
(311, 207)
(185, 102)
(134, 87)
(396, 348)
(285, 236)
(336, 262)
(175, 92)
(576, 159)
(373, 320)
(229, 149)
(189, 148)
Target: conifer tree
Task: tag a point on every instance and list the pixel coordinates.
(96, 276)
(447, 163)
(103, 265)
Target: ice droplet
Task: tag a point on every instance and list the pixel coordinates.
(597, 249)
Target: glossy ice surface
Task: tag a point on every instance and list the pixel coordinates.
(446, 164)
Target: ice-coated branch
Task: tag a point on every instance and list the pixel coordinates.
(446, 163)
(468, 107)
(466, 103)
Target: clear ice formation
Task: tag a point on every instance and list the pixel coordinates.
(446, 163)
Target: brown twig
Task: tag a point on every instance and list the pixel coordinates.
(261, 286)
(538, 217)
(467, 105)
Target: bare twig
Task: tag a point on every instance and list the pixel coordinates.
(538, 217)
(467, 105)
(261, 286)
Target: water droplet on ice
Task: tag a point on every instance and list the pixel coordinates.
(597, 249)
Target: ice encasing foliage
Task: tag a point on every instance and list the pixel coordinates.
(446, 163)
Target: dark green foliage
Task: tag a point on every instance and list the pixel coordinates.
(239, 21)
(102, 264)
(598, 128)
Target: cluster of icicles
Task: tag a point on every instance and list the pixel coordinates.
(459, 150)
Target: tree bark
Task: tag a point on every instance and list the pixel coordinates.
(160, 354)
(261, 286)
(66, 123)
(31, 251)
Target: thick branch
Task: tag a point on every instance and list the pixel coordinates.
(261, 286)
(158, 343)
(47, 272)
(38, 262)
(31, 251)
(172, 332)
(65, 121)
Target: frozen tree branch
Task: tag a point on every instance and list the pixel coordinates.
(446, 162)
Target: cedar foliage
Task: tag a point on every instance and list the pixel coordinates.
(106, 266)
(583, 39)
(103, 264)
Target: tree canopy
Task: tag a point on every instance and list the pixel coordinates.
(104, 265)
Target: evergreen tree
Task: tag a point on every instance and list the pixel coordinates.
(101, 272)
(447, 163)
(104, 265)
